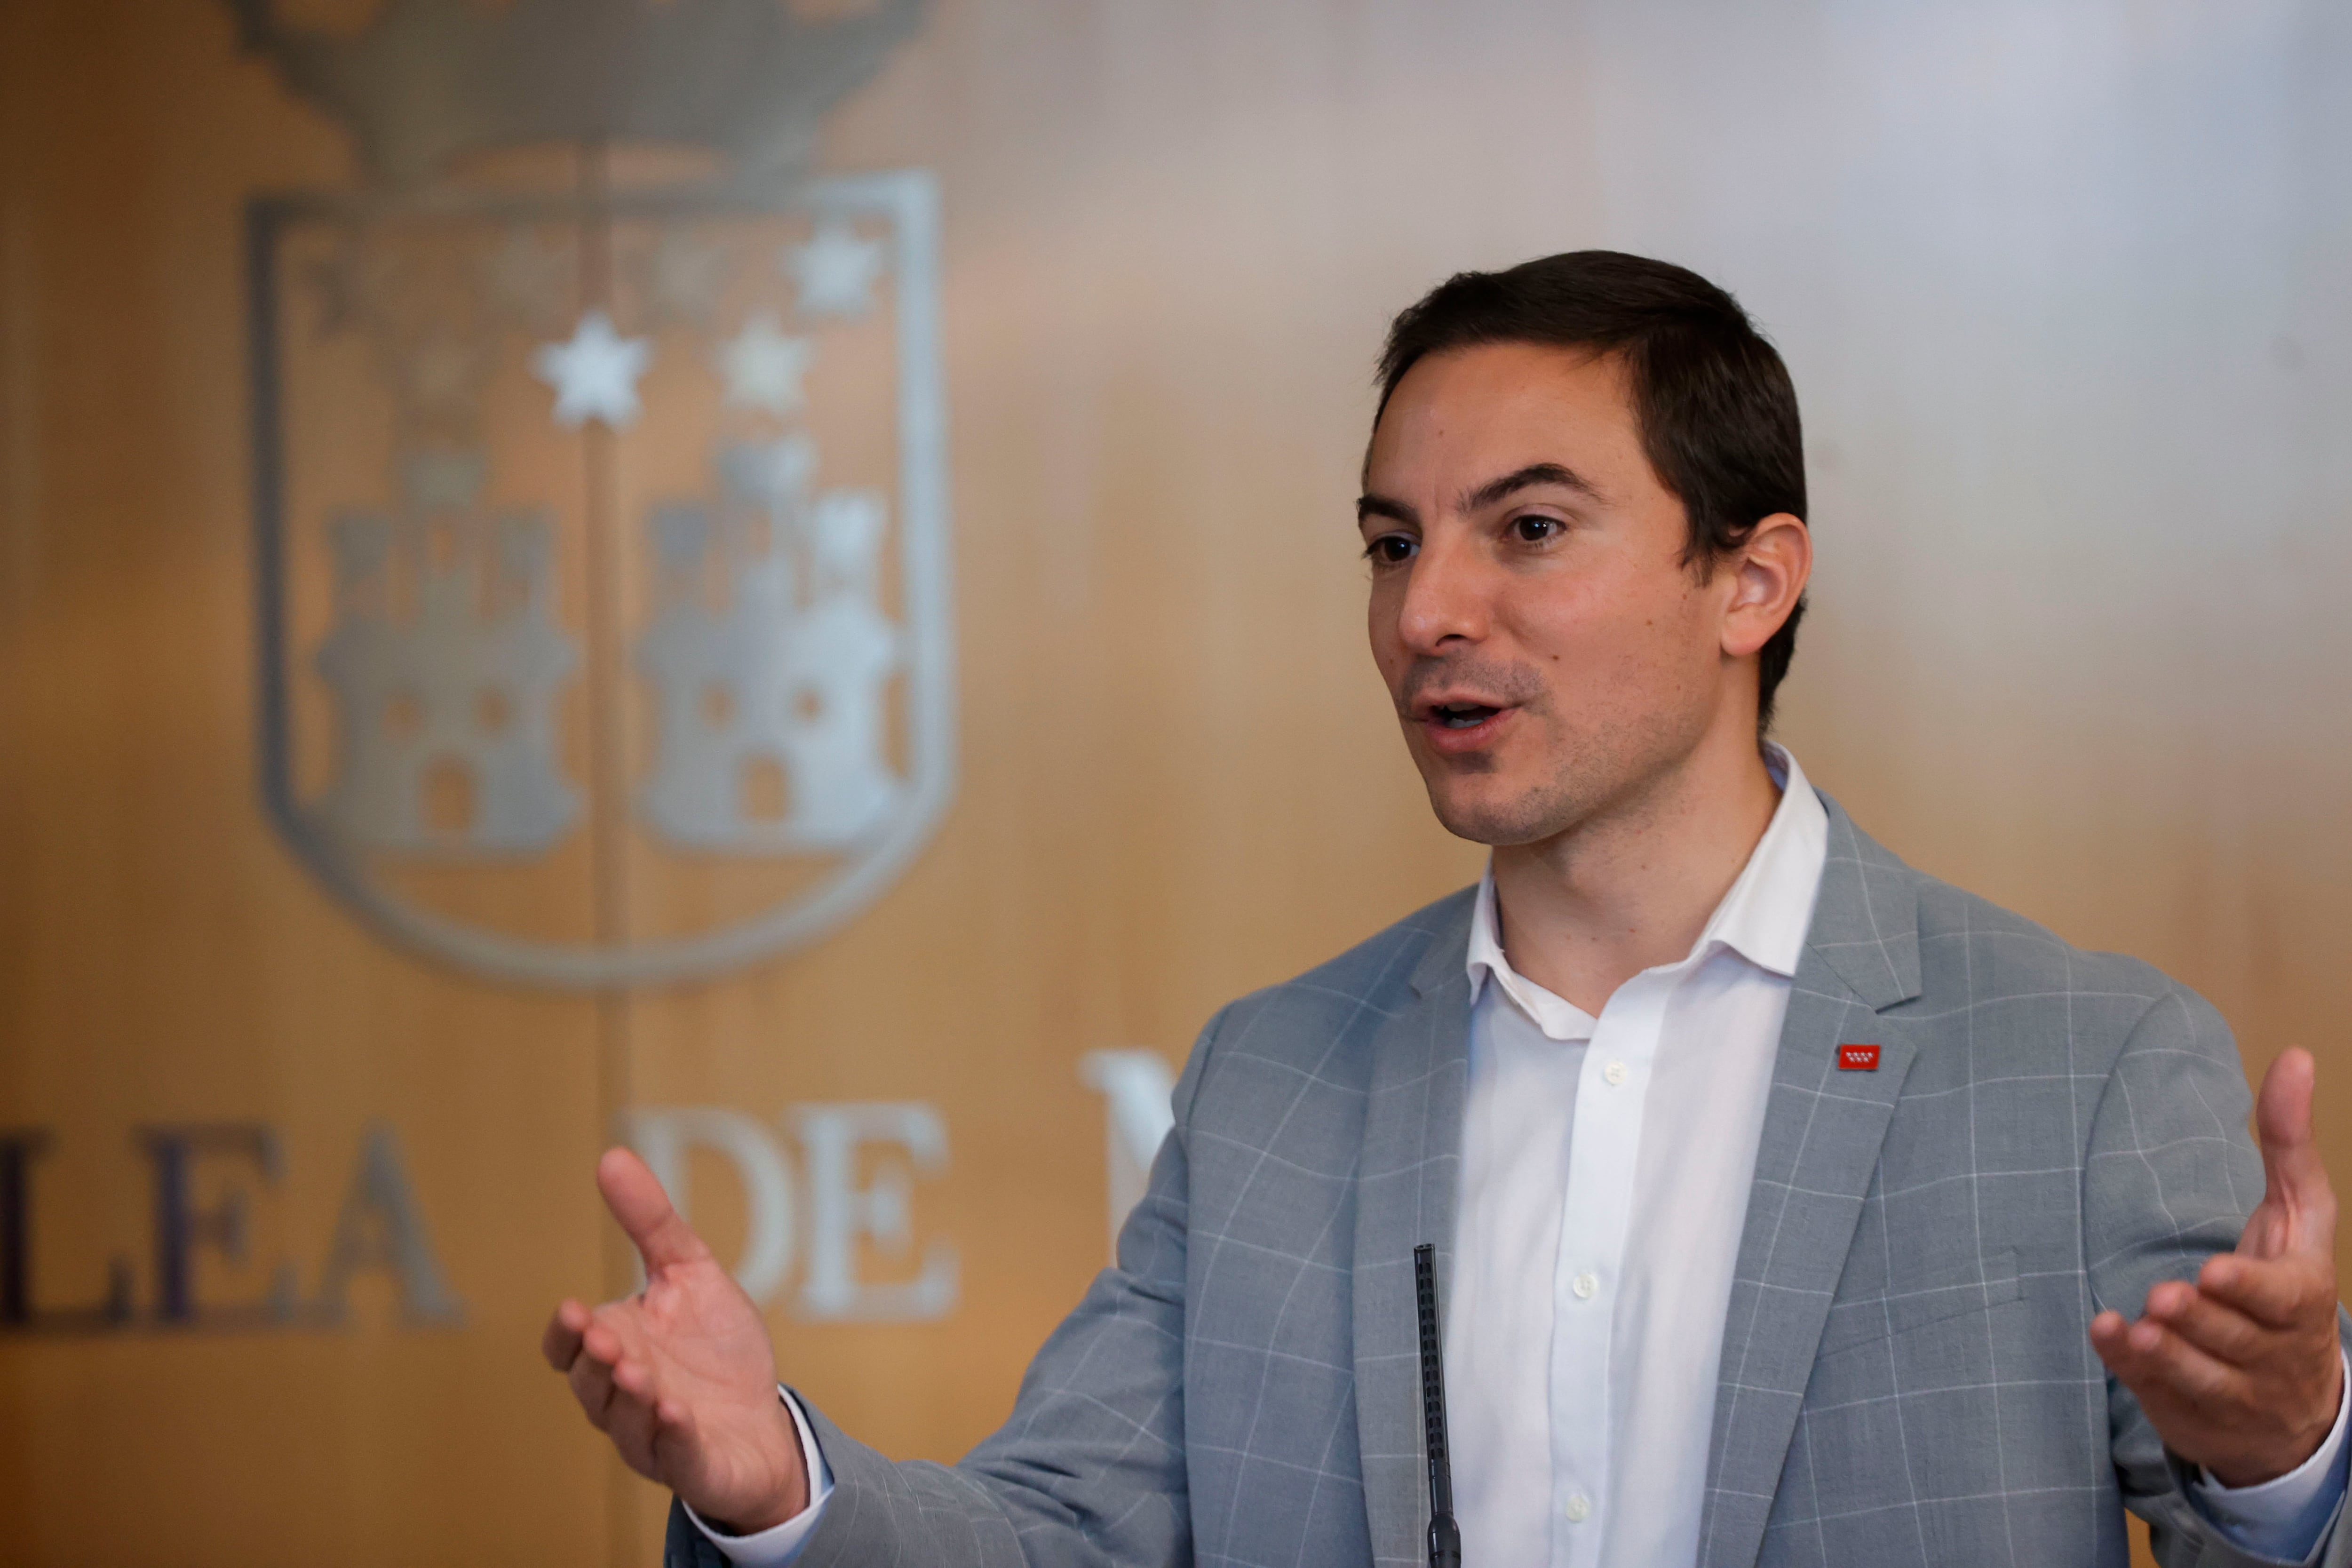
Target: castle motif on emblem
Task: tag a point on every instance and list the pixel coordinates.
(788, 670)
(601, 503)
(452, 664)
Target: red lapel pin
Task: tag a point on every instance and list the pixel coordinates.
(1857, 1058)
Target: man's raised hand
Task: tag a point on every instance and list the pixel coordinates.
(680, 1375)
(2241, 1372)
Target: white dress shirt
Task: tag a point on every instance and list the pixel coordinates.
(1605, 1169)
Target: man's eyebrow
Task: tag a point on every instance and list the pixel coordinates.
(1534, 474)
(1485, 494)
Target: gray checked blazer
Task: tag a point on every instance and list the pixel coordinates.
(1906, 1377)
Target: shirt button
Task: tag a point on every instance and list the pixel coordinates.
(1584, 1285)
(1579, 1508)
(1614, 1073)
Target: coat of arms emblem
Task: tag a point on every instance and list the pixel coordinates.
(601, 486)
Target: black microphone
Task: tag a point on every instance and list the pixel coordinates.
(1445, 1535)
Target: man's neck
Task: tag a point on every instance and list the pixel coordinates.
(1632, 888)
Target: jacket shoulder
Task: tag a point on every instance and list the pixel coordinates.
(1968, 945)
(1354, 992)
(2004, 978)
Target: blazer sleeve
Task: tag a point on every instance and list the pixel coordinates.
(2169, 1178)
(1089, 1471)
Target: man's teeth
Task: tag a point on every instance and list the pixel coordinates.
(1461, 716)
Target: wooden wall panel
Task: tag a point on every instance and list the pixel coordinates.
(2058, 287)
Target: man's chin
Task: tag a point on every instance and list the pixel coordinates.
(1493, 819)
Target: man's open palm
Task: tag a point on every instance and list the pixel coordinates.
(680, 1375)
(2241, 1372)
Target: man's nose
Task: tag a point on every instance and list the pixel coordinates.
(1445, 596)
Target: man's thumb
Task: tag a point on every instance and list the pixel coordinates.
(2294, 1180)
(635, 1197)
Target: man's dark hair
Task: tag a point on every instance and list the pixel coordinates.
(1716, 410)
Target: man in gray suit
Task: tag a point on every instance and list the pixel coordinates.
(1791, 1206)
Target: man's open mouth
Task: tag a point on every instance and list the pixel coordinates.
(1462, 715)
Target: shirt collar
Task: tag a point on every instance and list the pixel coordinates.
(1764, 917)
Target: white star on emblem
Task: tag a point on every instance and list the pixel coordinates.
(763, 367)
(595, 374)
(836, 270)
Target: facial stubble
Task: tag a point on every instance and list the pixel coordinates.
(1579, 778)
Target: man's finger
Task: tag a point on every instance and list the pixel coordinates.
(2276, 1292)
(2111, 1337)
(2163, 1363)
(674, 1421)
(2293, 1178)
(629, 1420)
(561, 1343)
(2213, 1326)
(638, 1201)
(591, 1384)
(670, 1442)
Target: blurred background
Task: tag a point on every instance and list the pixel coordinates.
(777, 581)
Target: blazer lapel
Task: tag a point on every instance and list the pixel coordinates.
(1822, 1129)
(1405, 1185)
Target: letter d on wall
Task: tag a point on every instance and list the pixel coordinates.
(662, 1139)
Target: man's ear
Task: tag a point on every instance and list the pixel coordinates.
(1770, 570)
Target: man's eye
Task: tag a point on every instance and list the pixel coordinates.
(1532, 527)
(1389, 550)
